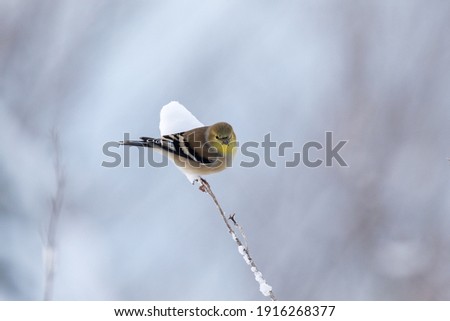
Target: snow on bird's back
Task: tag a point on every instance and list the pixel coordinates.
(175, 118)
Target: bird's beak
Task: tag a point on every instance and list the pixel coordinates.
(226, 141)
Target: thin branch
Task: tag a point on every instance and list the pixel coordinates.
(232, 218)
(56, 205)
(265, 288)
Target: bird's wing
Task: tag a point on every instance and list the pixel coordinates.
(177, 144)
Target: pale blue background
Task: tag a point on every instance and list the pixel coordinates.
(375, 73)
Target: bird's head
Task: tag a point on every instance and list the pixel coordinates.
(223, 135)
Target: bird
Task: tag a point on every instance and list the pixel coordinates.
(197, 151)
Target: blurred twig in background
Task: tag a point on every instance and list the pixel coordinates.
(56, 205)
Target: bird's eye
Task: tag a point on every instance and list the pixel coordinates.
(217, 137)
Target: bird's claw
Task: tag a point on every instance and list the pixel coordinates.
(204, 185)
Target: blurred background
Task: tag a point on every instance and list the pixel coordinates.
(75, 75)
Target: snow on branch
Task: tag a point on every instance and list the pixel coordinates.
(264, 287)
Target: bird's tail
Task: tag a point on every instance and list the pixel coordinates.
(143, 142)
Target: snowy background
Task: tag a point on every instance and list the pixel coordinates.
(375, 73)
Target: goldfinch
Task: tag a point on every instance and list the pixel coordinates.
(199, 151)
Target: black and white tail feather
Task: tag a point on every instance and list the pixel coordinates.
(172, 144)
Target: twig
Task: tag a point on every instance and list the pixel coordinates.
(56, 205)
(265, 288)
(232, 218)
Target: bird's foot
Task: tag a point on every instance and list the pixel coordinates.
(204, 185)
